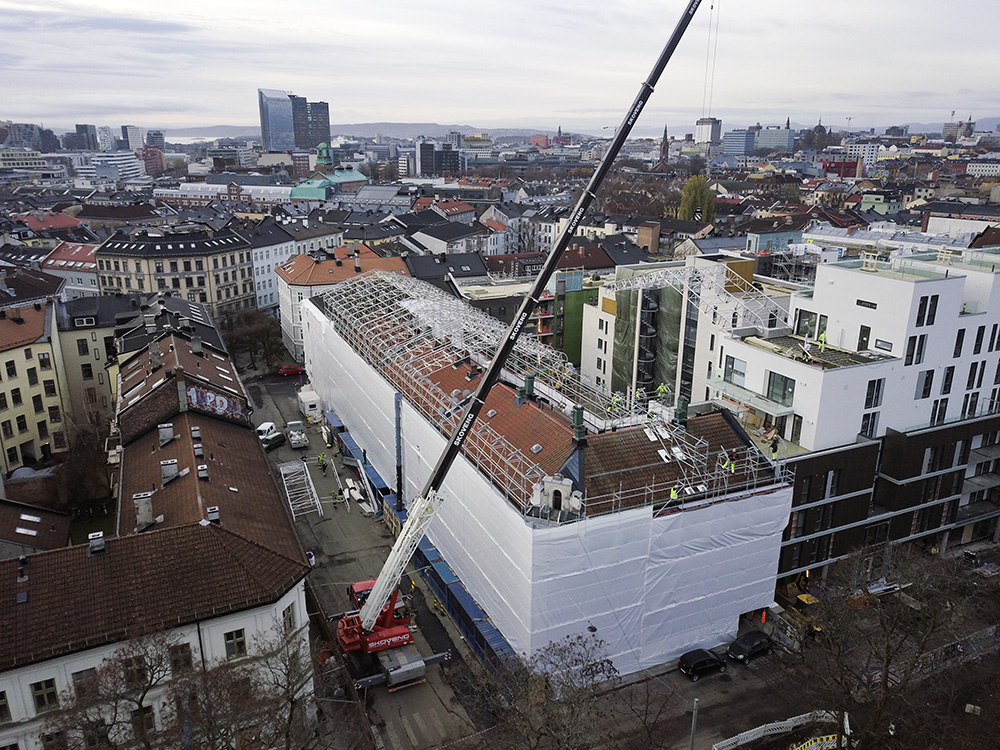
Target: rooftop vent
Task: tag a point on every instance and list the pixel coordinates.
(199, 452)
(22, 569)
(95, 543)
(143, 510)
(168, 470)
(536, 448)
(213, 514)
(203, 471)
(491, 413)
(166, 432)
(196, 432)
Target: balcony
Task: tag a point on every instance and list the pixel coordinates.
(750, 399)
(981, 482)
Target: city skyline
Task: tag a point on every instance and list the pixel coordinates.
(198, 66)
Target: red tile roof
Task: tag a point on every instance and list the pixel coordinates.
(239, 483)
(71, 256)
(50, 221)
(71, 601)
(31, 526)
(21, 326)
(303, 270)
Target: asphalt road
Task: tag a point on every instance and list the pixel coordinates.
(350, 547)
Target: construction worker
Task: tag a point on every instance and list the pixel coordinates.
(675, 493)
(774, 448)
(730, 462)
(661, 391)
(321, 462)
(638, 394)
(822, 341)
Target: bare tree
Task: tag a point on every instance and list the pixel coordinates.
(876, 635)
(111, 706)
(550, 700)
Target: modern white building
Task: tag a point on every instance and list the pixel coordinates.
(556, 523)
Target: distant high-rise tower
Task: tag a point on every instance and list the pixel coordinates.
(277, 129)
(708, 130)
(310, 121)
(105, 140)
(86, 137)
(132, 137)
(156, 138)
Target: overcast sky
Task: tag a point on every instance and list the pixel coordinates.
(496, 63)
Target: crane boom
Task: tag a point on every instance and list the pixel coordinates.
(423, 507)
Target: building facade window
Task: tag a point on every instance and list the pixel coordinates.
(735, 371)
(780, 389)
(939, 411)
(959, 341)
(869, 424)
(45, 695)
(978, 346)
(873, 397)
(82, 347)
(915, 349)
(44, 361)
(949, 376)
(236, 644)
(4, 708)
(180, 658)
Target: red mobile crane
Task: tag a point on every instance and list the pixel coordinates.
(381, 625)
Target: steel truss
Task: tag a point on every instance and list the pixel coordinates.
(302, 496)
(719, 292)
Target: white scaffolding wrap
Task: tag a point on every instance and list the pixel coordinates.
(653, 587)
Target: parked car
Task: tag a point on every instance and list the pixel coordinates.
(291, 370)
(266, 428)
(700, 662)
(272, 441)
(748, 646)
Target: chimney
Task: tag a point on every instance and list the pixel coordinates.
(357, 262)
(168, 470)
(196, 346)
(143, 510)
(166, 432)
(579, 430)
(213, 514)
(203, 471)
(155, 360)
(529, 385)
(95, 543)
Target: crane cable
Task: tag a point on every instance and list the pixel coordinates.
(715, 54)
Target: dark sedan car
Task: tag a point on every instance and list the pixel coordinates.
(700, 662)
(272, 441)
(748, 646)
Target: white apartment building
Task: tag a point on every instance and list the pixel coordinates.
(272, 246)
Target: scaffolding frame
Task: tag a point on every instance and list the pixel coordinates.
(299, 488)
(408, 330)
(718, 292)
